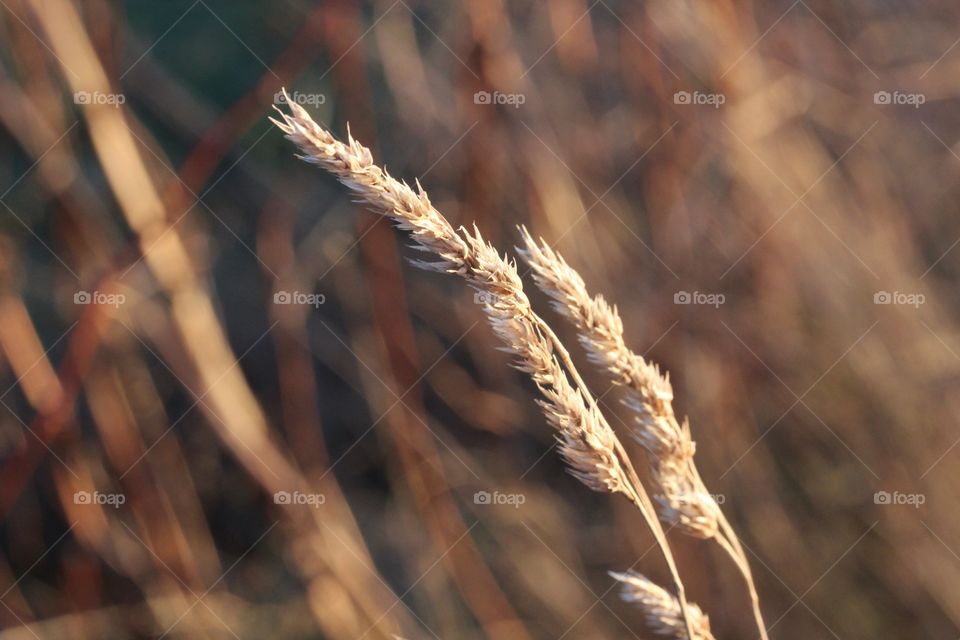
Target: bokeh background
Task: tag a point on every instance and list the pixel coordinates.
(796, 162)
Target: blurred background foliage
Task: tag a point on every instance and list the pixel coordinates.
(801, 199)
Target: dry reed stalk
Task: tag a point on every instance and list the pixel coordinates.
(661, 609)
(683, 501)
(234, 412)
(587, 443)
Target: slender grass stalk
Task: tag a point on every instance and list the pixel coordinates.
(590, 447)
(683, 500)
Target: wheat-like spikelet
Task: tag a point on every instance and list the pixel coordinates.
(683, 499)
(662, 611)
(586, 440)
(588, 444)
